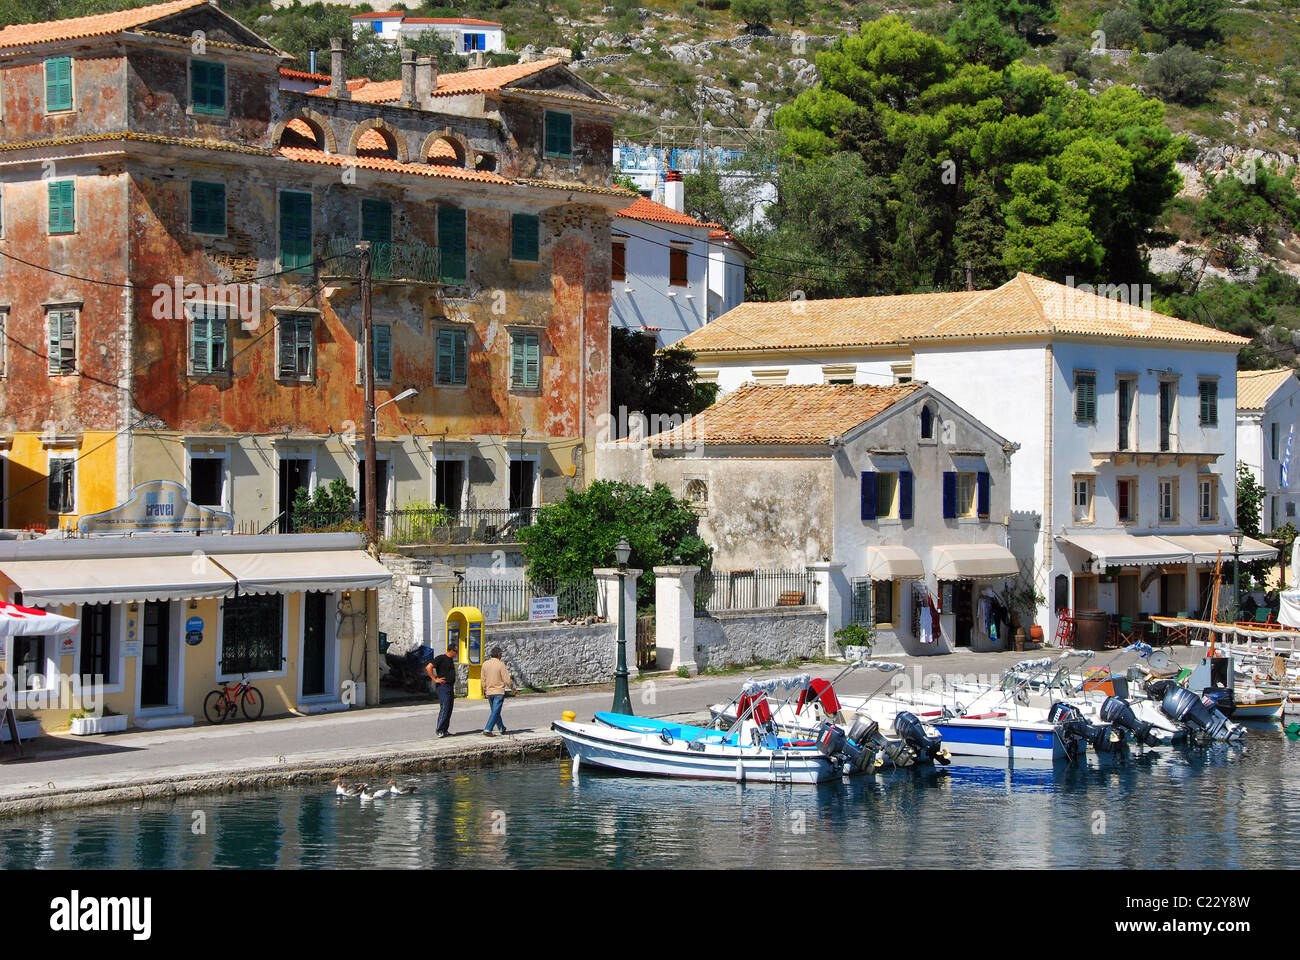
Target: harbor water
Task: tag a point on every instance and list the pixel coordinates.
(1227, 806)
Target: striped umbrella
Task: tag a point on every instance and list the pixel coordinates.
(16, 621)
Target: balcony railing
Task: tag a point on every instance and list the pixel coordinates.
(389, 262)
(421, 527)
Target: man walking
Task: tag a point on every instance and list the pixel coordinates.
(495, 679)
(442, 671)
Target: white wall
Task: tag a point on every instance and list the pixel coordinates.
(645, 298)
(1254, 443)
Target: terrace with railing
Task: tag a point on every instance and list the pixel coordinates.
(430, 526)
(390, 262)
(508, 599)
(753, 589)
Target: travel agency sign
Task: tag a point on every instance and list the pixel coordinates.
(159, 506)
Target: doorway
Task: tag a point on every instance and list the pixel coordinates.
(295, 475)
(381, 488)
(314, 642)
(522, 473)
(1173, 593)
(155, 654)
(963, 607)
(1130, 595)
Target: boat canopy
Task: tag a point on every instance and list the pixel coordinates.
(888, 562)
(974, 561)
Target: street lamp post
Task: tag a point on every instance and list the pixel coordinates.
(1235, 539)
(622, 702)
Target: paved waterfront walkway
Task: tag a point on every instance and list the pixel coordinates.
(60, 771)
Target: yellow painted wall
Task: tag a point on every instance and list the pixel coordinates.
(28, 472)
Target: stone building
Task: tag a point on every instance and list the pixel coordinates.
(906, 496)
(178, 272)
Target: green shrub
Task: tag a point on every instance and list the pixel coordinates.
(1123, 29)
(1182, 75)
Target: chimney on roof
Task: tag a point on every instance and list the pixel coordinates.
(338, 70)
(408, 78)
(675, 191)
(426, 79)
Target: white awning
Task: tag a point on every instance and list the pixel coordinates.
(974, 561)
(893, 563)
(321, 570)
(118, 579)
(1127, 550)
(1207, 547)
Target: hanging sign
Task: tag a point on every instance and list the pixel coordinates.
(159, 506)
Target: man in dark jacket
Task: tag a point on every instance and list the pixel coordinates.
(442, 671)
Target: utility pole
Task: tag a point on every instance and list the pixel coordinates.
(368, 379)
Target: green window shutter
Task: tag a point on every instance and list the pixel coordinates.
(62, 337)
(532, 361)
(295, 231)
(517, 363)
(453, 357)
(559, 134)
(524, 236)
(383, 352)
(460, 357)
(207, 207)
(444, 359)
(1209, 404)
(377, 221)
(63, 206)
(1085, 397)
(58, 84)
(305, 346)
(208, 87)
(451, 244)
(200, 356)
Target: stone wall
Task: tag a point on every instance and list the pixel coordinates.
(741, 637)
(542, 654)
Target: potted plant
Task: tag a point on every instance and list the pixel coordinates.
(109, 721)
(855, 641)
(1024, 598)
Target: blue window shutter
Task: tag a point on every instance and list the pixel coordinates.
(949, 495)
(905, 494)
(58, 84)
(982, 494)
(868, 494)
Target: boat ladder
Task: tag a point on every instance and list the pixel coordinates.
(779, 766)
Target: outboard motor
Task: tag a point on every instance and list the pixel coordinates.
(865, 732)
(1156, 687)
(832, 742)
(1221, 699)
(1204, 723)
(921, 737)
(1118, 712)
(1075, 731)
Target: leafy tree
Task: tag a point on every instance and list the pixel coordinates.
(1076, 59)
(752, 13)
(979, 34)
(653, 382)
(1122, 27)
(1250, 506)
(1253, 202)
(1181, 74)
(571, 538)
(794, 11)
(1191, 22)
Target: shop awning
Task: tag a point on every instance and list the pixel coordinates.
(123, 579)
(974, 561)
(1206, 547)
(322, 570)
(893, 563)
(1127, 550)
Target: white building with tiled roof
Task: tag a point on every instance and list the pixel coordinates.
(1123, 490)
(467, 35)
(1267, 418)
(671, 273)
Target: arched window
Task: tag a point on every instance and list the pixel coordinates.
(927, 423)
(445, 153)
(697, 491)
(376, 143)
(302, 134)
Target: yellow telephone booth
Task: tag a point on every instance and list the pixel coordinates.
(465, 630)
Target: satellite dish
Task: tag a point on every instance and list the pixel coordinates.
(1158, 659)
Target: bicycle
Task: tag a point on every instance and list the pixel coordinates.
(221, 704)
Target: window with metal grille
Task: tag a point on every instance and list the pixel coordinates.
(61, 330)
(58, 84)
(62, 485)
(452, 368)
(297, 355)
(862, 600)
(677, 267)
(208, 87)
(252, 633)
(63, 206)
(525, 361)
(1085, 396)
(525, 238)
(559, 134)
(207, 207)
(209, 349)
(96, 641)
(1209, 397)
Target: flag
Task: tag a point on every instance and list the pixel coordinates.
(1286, 457)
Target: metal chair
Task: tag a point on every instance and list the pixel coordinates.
(1172, 634)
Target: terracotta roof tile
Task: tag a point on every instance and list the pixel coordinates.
(646, 209)
(99, 25)
(303, 155)
(303, 75)
(1025, 305)
(372, 139)
(465, 81)
(757, 414)
(1256, 387)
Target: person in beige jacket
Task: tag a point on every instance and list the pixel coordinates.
(496, 678)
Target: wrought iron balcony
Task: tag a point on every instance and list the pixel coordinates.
(389, 262)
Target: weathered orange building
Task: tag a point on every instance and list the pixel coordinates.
(178, 271)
